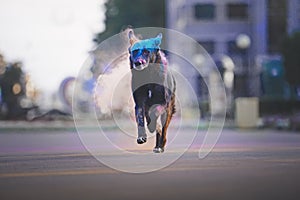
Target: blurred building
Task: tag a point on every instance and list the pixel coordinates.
(239, 29)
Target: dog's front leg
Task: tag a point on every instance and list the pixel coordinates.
(140, 119)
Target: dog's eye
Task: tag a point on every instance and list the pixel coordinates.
(146, 52)
(135, 53)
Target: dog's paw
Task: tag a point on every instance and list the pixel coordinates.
(158, 150)
(141, 140)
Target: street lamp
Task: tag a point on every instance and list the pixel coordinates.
(243, 42)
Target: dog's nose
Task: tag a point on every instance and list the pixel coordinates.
(140, 62)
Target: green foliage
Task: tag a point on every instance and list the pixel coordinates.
(121, 14)
(291, 55)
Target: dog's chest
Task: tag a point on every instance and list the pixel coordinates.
(150, 75)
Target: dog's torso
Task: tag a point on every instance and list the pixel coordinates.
(153, 85)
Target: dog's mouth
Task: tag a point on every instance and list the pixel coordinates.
(140, 64)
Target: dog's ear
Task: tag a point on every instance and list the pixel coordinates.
(132, 38)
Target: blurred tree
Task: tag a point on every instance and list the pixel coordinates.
(290, 51)
(12, 86)
(136, 13)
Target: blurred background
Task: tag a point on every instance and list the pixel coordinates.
(43, 45)
(254, 43)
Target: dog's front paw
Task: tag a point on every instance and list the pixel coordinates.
(141, 140)
(158, 150)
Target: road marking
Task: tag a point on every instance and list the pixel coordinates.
(98, 171)
(37, 156)
(58, 173)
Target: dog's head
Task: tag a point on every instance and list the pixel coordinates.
(143, 52)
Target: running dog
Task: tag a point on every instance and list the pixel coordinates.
(153, 89)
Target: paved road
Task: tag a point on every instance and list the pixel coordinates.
(260, 164)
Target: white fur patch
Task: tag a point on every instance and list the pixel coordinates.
(149, 94)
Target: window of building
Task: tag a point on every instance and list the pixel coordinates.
(204, 11)
(209, 46)
(237, 11)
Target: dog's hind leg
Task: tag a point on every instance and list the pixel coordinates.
(161, 138)
(166, 122)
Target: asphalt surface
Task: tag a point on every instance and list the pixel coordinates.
(245, 164)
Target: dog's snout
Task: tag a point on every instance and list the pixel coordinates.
(139, 62)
